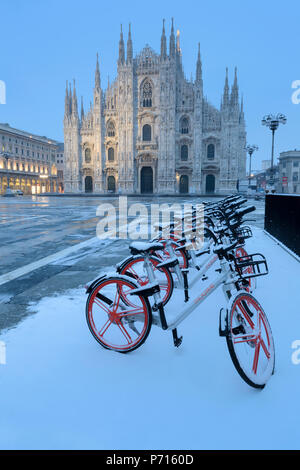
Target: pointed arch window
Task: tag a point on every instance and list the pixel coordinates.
(184, 125)
(147, 133)
(210, 152)
(111, 132)
(147, 94)
(111, 154)
(87, 156)
(184, 153)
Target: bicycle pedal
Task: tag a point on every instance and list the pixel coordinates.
(178, 342)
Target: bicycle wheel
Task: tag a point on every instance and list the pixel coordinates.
(239, 252)
(117, 325)
(249, 340)
(135, 269)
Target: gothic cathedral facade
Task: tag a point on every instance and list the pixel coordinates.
(153, 131)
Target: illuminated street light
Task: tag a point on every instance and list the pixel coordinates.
(250, 149)
(272, 121)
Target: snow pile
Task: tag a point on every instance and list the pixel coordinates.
(61, 390)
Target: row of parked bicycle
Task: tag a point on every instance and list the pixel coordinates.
(204, 245)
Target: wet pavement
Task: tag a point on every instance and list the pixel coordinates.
(58, 235)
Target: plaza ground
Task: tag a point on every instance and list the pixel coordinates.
(32, 229)
(61, 390)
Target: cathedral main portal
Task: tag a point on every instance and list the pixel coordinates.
(210, 184)
(184, 184)
(147, 180)
(88, 184)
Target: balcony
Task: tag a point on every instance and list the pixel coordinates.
(146, 144)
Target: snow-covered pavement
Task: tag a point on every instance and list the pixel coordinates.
(60, 390)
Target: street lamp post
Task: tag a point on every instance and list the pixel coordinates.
(250, 149)
(7, 156)
(272, 121)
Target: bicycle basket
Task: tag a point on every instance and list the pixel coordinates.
(242, 232)
(251, 266)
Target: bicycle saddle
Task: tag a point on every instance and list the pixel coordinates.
(144, 247)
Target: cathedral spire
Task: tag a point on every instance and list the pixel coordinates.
(199, 66)
(129, 46)
(67, 104)
(172, 40)
(163, 43)
(121, 49)
(70, 99)
(242, 115)
(178, 50)
(74, 101)
(82, 110)
(226, 90)
(234, 99)
(97, 74)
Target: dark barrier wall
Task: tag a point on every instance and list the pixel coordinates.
(282, 219)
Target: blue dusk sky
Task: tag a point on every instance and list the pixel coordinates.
(44, 43)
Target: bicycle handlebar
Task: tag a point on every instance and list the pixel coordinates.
(242, 212)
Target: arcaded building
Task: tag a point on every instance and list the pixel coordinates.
(27, 161)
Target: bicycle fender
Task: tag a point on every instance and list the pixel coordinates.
(90, 287)
(223, 322)
(122, 263)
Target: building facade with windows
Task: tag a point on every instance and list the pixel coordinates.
(289, 172)
(30, 161)
(154, 131)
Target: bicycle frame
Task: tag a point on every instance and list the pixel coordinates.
(202, 268)
(200, 298)
(225, 274)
